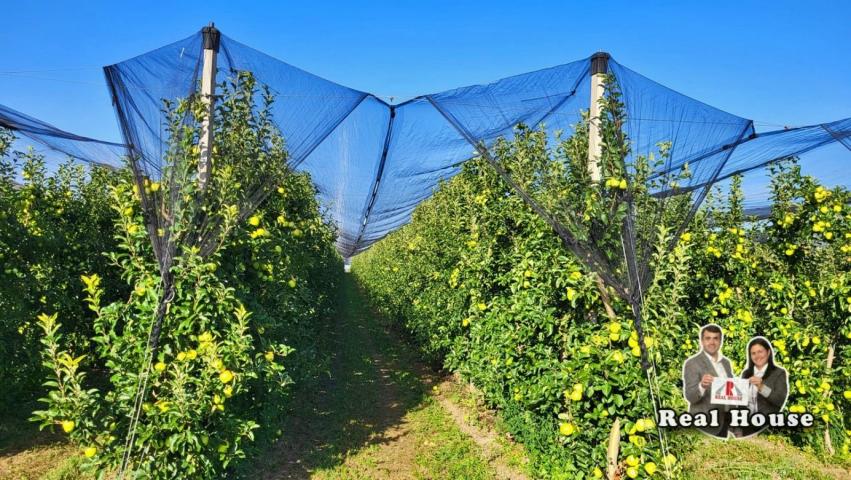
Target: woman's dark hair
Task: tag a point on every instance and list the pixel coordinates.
(748, 373)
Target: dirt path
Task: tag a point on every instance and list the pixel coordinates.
(379, 415)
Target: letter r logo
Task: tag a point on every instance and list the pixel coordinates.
(729, 387)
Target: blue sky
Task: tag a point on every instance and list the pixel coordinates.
(782, 62)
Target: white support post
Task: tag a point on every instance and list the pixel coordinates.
(599, 68)
(208, 90)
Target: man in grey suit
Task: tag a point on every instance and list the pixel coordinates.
(698, 373)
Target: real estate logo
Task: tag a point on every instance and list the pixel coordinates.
(729, 391)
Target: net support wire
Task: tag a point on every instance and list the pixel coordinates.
(211, 42)
(151, 349)
(648, 363)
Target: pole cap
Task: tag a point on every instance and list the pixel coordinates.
(211, 37)
(600, 63)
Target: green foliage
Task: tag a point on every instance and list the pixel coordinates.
(785, 278)
(51, 231)
(238, 325)
(485, 286)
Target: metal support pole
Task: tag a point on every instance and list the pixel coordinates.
(599, 68)
(208, 90)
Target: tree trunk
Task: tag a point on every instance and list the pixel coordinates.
(604, 296)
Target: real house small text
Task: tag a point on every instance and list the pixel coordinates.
(738, 418)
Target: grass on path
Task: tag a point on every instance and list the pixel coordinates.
(29, 454)
(376, 416)
(758, 458)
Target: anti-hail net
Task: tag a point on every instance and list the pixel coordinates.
(54, 145)
(374, 162)
(204, 154)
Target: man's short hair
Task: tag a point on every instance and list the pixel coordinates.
(711, 328)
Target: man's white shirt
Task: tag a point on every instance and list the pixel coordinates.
(720, 371)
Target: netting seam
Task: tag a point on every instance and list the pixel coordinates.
(836, 136)
(566, 98)
(376, 183)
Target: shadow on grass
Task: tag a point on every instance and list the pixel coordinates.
(18, 434)
(375, 381)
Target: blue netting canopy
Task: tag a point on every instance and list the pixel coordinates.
(373, 161)
(57, 146)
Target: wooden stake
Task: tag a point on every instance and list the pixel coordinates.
(208, 90)
(599, 68)
(614, 450)
(828, 443)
